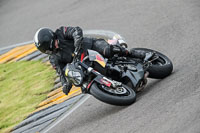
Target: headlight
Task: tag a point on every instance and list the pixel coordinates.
(74, 75)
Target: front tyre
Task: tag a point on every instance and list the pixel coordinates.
(121, 96)
(160, 68)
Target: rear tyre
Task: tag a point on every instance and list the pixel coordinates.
(161, 68)
(121, 96)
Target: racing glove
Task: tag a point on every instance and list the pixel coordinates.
(78, 41)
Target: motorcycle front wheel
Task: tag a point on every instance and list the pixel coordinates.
(121, 96)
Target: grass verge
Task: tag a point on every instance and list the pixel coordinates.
(23, 85)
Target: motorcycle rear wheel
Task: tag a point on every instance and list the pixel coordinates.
(114, 98)
(160, 68)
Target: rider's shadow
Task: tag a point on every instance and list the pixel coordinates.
(150, 86)
(153, 84)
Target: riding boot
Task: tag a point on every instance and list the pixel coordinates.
(137, 54)
(141, 55)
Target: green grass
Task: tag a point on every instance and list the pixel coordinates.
(23, 85)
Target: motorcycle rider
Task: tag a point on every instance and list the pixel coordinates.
(61, 44)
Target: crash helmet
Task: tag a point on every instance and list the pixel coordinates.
(44, 40)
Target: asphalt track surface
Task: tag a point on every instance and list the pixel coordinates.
(172, 27)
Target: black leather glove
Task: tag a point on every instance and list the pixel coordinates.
(66, 88)
(77, 34)
(78, 41)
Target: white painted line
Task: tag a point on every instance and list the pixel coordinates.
(67, 113)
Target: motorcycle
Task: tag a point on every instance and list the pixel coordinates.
(116, 80)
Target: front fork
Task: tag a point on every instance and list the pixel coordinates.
(102, 80)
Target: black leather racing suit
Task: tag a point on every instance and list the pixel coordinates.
(68, 38)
